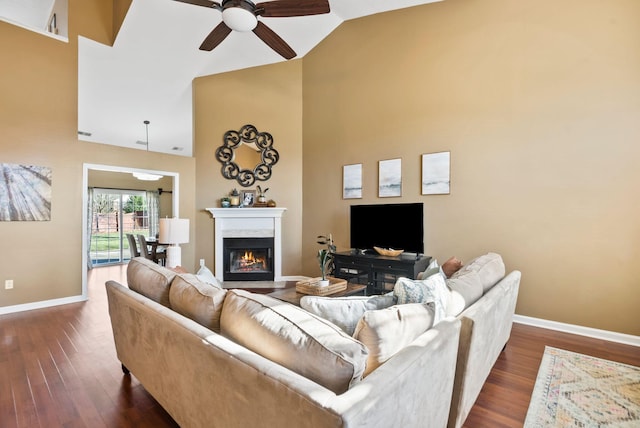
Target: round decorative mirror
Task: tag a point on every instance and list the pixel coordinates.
(247, 155)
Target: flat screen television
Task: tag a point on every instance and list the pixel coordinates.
(397, 226)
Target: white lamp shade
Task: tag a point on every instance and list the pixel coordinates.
(174, 231)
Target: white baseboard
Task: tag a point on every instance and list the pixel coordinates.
(611, 336)
(42, 304)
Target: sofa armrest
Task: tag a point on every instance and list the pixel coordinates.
(486, 327)
(412, 388)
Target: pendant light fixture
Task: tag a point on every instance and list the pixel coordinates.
(144, 175)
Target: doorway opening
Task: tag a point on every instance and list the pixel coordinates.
(117, 181)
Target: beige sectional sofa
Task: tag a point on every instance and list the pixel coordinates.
(229, 358)
(478, 294)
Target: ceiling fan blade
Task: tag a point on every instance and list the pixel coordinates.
(274, 41)
(215, 37)
(284, 8)
(203, 3)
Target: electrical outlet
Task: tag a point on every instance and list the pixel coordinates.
(8, 284)
(201, 262)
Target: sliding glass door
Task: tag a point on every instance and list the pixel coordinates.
(113, 214)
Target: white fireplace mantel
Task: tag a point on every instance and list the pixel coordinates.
(247, 223)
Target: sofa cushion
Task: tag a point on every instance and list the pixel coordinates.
(345, 312)
(198, 300)
(387, 331)
(294, 338)
(490, 269)
(465, 289)
(433, 289)
(150, 279)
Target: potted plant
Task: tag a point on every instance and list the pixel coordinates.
(225, 202)
(325, 257)
(262, 194)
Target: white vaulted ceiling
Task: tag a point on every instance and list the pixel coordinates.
(147, 73)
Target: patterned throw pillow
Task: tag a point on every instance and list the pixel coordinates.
(433, 289)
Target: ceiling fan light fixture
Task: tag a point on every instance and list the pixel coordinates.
(239, 19)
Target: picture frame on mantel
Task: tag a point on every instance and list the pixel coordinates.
(248, 198)
(352, 181)
(390, 178)
(436, 173)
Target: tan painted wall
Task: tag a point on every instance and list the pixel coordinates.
(38, 126)
(269, 98)
(539, 104)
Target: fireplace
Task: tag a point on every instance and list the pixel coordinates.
(247, 223)
(248, 259)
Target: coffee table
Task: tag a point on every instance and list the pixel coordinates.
(289, 294)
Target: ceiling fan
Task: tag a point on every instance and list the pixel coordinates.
(242, 15)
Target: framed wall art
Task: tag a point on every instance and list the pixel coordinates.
(436, 173)
(352, 181)
(25, 192)
(390, 178)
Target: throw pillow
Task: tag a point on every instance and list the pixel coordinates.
(489, 267)
(387, 331)
(294, 338)
(451, 266)
(433, 289)
(205, 275)
(465, 289)
(430, 270)
(197, 300)
(345, 312)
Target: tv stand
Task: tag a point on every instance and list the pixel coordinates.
(378, 273)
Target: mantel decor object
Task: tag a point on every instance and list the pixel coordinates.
(250, 139)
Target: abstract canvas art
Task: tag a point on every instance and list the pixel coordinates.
(352, 181)
(436, 173)
(25, 192)
(390, 178)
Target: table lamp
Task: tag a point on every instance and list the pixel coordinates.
(174, 231)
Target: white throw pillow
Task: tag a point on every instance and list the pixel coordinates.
(387, 331)
(205, 275)
(345, 312)
(433, 289)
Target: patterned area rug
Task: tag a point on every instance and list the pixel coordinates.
(575, 390)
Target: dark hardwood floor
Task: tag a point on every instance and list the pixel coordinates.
(58, 368)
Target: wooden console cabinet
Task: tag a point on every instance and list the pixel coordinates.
(378, 273)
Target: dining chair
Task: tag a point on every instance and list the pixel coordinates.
(133, 246)
(156, 256)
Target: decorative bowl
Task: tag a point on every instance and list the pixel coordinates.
(388, 251)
